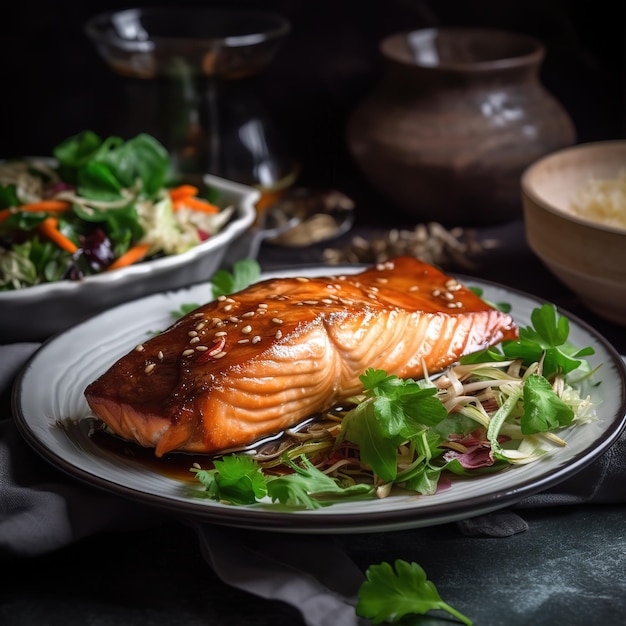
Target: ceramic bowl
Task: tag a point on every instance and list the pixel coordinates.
(585, 250)
(36, 313)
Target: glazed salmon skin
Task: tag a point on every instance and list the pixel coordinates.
(253, 364)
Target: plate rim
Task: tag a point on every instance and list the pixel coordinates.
(256, 517)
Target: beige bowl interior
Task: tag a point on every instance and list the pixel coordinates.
(589, 258)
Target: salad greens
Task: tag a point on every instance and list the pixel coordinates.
(496, 408)
(97, 205)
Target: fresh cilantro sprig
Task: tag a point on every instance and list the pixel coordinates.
(244, 273)
(394, 410)
(239, 480)
(547, 339)
(389, 595)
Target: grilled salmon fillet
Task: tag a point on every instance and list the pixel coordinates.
(262, 360)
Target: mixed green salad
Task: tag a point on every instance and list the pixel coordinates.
(95, 206)
(496, 408)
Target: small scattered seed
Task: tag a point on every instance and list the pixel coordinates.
(149, 368)
(246, 329)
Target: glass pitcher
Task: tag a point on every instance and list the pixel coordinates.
(190, 75)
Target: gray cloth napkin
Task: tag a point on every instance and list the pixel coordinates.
(42, 510)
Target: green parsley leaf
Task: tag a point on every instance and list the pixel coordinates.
(395, 410)
(244, 273)
(389, 595)
(236, 478)
(299, 488)
(548, 336)
(543, 409)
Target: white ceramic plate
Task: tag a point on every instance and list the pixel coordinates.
(54, 418)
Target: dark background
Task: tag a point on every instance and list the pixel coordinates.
(55, 85)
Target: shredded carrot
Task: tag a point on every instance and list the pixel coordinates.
(267, 199)
(36, 207)
(49, 228)
(132, 255)
(196, 204)
(183, 191)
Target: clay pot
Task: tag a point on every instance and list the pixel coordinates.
(457, 116)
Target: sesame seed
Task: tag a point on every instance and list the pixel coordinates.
(187, 352)
(149, 368)
(327, 301)
(277, 320)
(243, 341)
(139, 347)
(262, 305)
(201, 348)
(219, 355)
(221, 333)
(382, 280)
(197, 315)
(310, 302)
(192, 333)
(256, 339)
(248, 314)
(200, 326)
(231, 300)
(233, 319)
(221, 298)
(436, 292)
(246, 329)
(278, 334)
(302, 279)
(160, 355)
(228, 307)
(194, 340)
(414, 288)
